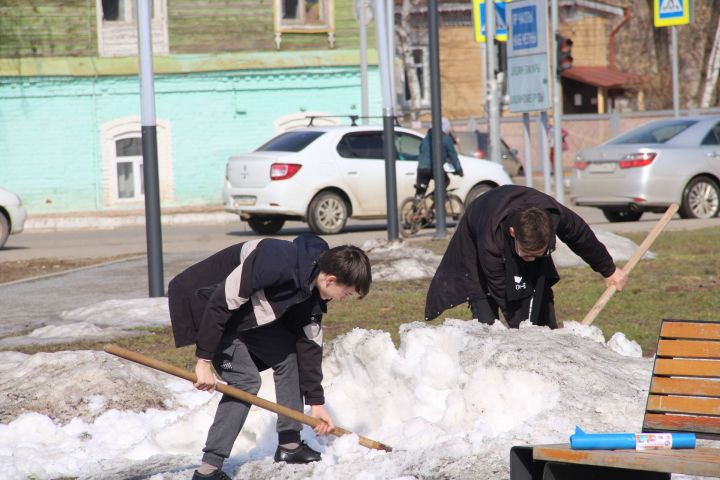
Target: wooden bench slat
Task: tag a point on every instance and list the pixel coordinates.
(688, 405)
(685, 386)
(703, 330)
(690, 368)
(698, 461)
(688, 348)
(705, 427)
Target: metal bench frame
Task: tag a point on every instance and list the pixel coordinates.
(684, 396)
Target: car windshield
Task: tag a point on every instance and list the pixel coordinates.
(289, 142)
(655, 132)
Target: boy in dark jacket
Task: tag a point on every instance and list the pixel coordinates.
(259, 305)
(499, 257)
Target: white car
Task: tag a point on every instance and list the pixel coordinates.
(12, 215)
(325, 175)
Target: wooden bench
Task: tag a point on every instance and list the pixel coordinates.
(684, 396)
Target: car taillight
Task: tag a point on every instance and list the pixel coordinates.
(580, 165)
(640, 159)
(283, 171)
(479, 153)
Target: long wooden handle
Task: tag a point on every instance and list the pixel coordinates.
(237, 393)
(634, 259)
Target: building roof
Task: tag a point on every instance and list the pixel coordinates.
(603, 77)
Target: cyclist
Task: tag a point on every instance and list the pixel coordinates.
(425, 168)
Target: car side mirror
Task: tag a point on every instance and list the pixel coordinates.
(514, 151)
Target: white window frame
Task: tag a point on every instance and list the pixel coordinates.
(118, 38)
(300, 25)
(137, 165)
(128, 127)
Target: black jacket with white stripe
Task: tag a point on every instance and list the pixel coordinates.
(249, 285)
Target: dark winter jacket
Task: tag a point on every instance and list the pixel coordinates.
(249, 285)
(474, 264)
(448, 153)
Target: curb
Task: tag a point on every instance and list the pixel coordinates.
(109, 222)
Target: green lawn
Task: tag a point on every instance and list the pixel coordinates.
(683, 283)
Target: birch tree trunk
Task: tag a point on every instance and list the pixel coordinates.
(405, 44)
(711, 74)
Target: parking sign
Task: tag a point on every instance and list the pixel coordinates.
(527, 71)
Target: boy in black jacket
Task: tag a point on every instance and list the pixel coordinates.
(499, 257)
(259, 305)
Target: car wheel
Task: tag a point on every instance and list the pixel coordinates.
(615, 216)
(4, 230)
(701, 199)
(266, 225)
(328, 213)
(476, 191)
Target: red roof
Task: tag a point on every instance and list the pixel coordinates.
(603, 77)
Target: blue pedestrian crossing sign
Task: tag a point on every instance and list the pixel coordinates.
(501, 32)
(668, 13)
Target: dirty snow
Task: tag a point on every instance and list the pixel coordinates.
(451, 400)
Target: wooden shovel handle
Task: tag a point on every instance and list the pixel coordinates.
(237, 393)
(634, 259)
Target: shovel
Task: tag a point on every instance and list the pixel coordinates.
(239, 394)
(634, 259)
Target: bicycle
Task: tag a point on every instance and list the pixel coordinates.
(418, 213)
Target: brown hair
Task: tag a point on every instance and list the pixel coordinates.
(533, 228)
(350, 265)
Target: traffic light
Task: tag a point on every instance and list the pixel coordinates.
(564, 53)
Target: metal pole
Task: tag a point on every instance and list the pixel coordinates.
(675, 68)
(388, 121)
(544, 153)
(153, 229)
(493, 101)
(557, 110)
(390, 18)
(364, 109)
(437, 151)
(527, 154)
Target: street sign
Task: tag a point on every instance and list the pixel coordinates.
(668, 13)
(479, 20)
(527, 70)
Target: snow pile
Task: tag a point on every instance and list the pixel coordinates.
(451, 400)
(399, 260)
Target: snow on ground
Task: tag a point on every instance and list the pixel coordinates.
(451, 400)
(620, 249)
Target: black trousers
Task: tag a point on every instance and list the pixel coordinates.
(424, 175)
(486, 310)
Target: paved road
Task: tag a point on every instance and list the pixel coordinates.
(218, 231)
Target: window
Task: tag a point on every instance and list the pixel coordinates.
(129, 162)
(654, 132)
(290, 142)
(407, 146)
(304, 16)
(123, 180)
(713, 136)
(117, 27)
(362, 145)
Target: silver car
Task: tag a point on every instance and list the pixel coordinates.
(646, 169)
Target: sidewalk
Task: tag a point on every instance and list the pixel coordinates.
(212, 214)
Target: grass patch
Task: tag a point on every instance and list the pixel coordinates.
(681, 283)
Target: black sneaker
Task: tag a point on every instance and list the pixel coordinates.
(301, 454)
(216, 475)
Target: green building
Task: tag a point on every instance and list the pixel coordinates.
(228, 75)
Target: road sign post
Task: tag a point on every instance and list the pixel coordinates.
(527, 72)
(671, 13)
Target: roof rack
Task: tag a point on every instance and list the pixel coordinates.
(353, 118)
